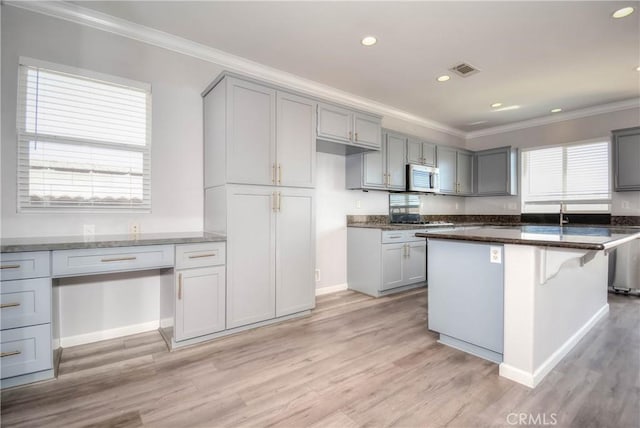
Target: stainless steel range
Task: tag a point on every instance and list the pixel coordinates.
(404, 208)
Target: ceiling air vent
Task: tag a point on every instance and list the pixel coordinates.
(464, 69)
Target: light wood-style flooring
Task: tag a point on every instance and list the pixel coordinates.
(356, 361)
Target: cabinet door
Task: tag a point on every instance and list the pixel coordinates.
(415, 264)
(627, 160)
(296, 141)
(396, 167)
(492, 172)
(374, 169)
(429, 154)
(465, 173)
(295, 252)
(335, 123)
(200, 302)
(251, 133)
(392, 266)
(447, 168)
(250, 256)
(367, 130)
(414, 151)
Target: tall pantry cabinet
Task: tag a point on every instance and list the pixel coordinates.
(259, 153)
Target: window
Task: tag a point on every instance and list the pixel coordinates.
(83, 140)
(576, 175)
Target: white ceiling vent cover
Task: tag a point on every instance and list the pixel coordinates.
(464, 69)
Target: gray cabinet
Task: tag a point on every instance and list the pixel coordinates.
(342, 125)
(25, 328)
(626, 159)
(271, 253)
(256, 134)
(496, 172)
(382, 262)
(420, 152)
(383, 170)
(456, 171)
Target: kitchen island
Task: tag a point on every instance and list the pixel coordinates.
(549, 281)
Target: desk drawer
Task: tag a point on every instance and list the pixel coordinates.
(200, 255)
(24, 265)
(25, 350)
(105, 260)
(25, 302)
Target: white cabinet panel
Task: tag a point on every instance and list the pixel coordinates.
(200, 255)
(296, 142)
(295, 253)
(200, 302)
(626, 159)
(34, 264)
(250, 256)
(415, 263)
(251, 133)
(26, 350)
(396, 167)
(447, 168)
(465, 173)
(374, 170)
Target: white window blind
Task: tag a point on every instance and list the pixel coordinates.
(575, 175)
(83, 141)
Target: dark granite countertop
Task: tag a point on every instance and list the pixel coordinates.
(14, 245)
(584, 237)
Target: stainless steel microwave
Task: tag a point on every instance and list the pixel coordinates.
(422, 178)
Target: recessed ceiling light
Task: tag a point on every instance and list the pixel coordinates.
(621, 13)
(496, 105)
(638, 68)
(369, 41)
(556, 110)
(443, 78)
(507, 108)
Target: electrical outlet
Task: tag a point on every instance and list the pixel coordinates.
(134, 228)
(625, 205)
(317, 275)
(358, 204)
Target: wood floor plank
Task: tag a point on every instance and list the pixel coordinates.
(356, 361)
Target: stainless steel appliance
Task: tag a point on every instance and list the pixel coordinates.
(422, 178)
(405, 208)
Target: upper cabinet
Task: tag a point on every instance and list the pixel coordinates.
(456, 171)
(383, 170)
(420, 152)
(255, 134)
(626, 159)
(496, 172)
(355, 130)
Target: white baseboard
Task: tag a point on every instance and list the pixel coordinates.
(533, 379)
(331, 289)
(113, 333)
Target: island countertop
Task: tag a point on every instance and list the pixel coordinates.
(14, 245)
(577, 237)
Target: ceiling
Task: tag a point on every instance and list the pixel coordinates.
(537, 55)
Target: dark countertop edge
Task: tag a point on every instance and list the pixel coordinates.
(535, 243)
(75, 245)
(389, 226)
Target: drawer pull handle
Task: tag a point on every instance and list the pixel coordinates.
(9, 305)
(180, 287)
(118, 259)
(9, 354)
(199, 256)
(10, 267)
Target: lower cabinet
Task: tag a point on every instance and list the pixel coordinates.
(271, 253)
(193, 294)
(381, 262)
(200, 302)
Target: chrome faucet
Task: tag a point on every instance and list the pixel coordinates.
(563, 219)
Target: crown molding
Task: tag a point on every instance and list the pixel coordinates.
(561, 117)
(101, 21)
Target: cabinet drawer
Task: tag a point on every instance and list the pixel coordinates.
(390, 236)
(25, 350)
(200, 255)
(25, 302)
(410, 235)
(24, 265)
(105, 260)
